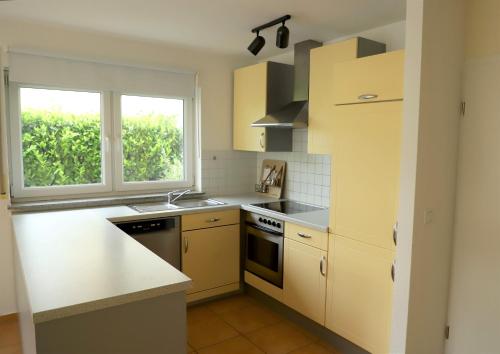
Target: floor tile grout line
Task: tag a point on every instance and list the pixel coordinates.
(313, 338)
(218, 343)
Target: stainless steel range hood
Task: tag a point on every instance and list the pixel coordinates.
(294, 114)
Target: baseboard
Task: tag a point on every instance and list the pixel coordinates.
(202, 296)
(9, 317)
(264, 286)
(344, 346)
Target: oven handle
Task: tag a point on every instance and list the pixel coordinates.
(261, 228)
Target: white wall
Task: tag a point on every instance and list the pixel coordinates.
(393, 35)
(434, 48)
(215, 71)
(474, 312)
(215, 81)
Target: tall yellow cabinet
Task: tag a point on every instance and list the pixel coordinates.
(365, 133)
(321, 80)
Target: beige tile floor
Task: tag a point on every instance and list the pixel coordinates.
(236, 325)
(240, 325)
(10, 342)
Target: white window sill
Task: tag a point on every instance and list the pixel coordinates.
(20, 207)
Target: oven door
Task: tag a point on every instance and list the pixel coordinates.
(264, 254)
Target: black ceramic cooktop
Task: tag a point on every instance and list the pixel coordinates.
(287, 207)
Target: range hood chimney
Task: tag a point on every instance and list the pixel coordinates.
(294, 114)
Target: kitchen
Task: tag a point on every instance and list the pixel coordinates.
(298, 179)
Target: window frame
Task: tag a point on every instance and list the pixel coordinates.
(111, 148)
(18, 188)
(188, 135)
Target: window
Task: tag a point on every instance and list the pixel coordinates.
(153, 142)
(62, 141)
(61, 137)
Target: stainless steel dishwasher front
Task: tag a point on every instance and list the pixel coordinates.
(160, 235)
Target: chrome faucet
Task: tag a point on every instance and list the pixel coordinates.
(179, 192)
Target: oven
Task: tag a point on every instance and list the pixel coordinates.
(264, 247)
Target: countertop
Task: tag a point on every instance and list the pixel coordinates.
(76, 261)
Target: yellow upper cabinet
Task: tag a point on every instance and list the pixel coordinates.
(321, 80)
(366, 142)
(258, 90)
(370, 79)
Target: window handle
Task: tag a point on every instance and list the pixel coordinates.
(107, 144)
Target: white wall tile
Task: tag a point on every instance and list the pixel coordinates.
(308, 175)
(228, 172)
(232, 172)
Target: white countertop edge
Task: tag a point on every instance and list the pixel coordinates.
(317, 220)
(49, 315)
(175, 212)
(300, 219)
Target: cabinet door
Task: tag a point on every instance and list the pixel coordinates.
(304, 283)
(366, 140)
(320, 92)
(211, 257)
(250, 95)
(370, 79)
(359, 295)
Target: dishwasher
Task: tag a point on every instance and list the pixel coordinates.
(162, 236)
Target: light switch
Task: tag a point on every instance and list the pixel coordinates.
(428, 216)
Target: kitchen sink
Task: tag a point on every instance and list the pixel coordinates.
(197, 203)
(180, 204)
(152, 207)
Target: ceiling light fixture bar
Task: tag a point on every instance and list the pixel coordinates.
(272, 23)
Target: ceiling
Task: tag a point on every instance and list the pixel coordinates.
(218, 25)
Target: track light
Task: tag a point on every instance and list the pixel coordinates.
(282, 35)
(256, 44)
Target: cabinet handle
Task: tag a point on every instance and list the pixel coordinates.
(395, 234)
(393, 271)
(367, 96)
(186, 244)
(213, 220)
(321, 266)
(261, 140)
(303, 235)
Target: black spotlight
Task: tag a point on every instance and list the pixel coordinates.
(282, 36)
(256, 44)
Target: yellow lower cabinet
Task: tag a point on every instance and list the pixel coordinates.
(304, 283)
(211, 257)
(359, 294)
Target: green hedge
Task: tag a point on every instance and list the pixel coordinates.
(65, 149)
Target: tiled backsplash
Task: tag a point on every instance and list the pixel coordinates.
(308, 176)
(231, 172)
(228, 172)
